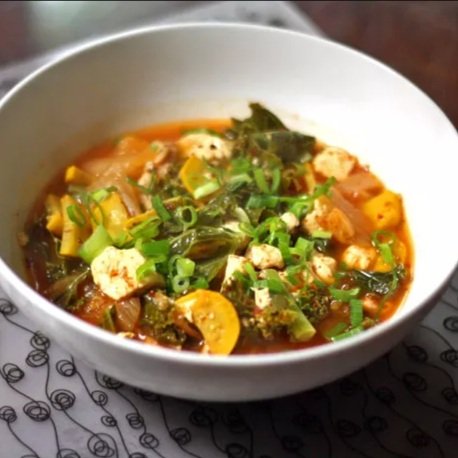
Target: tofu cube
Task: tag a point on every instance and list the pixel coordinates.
(324, 267)
(204, 146)
(359, 257)
(115, 272)
(334, 162)
(262, 298)
(265, 256)
(234, 264)
(291, 221)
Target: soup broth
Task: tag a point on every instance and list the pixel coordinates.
(221, 237)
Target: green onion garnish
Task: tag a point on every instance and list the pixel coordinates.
(180, 284)
(384, 241)
(321, 234)
(155, 248)
(335, 330)
(276, 181)
(261, 181)
(76, 215)
(187, 215)
(95, 244)
(347, 334)
(344, 295)
(146, 269)
(101, 194)
(200, 283)
(262, 202)
(161, 211)
(356, 312)
(240, 165)
(273, 282)
(206, 189)
(185, 267)
(147, 229)
(251, 272)
(303, 248)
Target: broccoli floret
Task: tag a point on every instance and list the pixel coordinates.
(158, 320)
(315, 303)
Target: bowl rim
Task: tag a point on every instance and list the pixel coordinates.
(21, 287)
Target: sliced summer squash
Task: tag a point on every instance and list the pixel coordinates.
(72, 234)
(74, 175)
(384, 210)
(215, 317)
(112, 213)
(54, 222)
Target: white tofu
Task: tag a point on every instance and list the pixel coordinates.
(324, 267)
(313, 221)
(262, 297)
(291, 221)
(204, 146)
(265, 256)
(115, 272)
(359, 257)
(334, 162)
(234, 264)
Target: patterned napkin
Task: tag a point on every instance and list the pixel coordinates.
(403, 405)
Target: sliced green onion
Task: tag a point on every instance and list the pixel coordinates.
(95, 244)
(251, 272)
(344, 295)
(248, 229)
(200, 283)
(147, 229)
(76, 215)
(242, 279)
(261, 181)
(187, 215)
(303, 248)
(321, 234)
(384, 241)
(356, 312)
(323, 189)
(146, 269)
(339, 328)
(240, 165)
(101, 194)
(206, 189)
(185, 267)
(292, 272)
(300, 208)
(155, 248)
(262, 202)
(239, 180)
(273, 282)
(276, 181)
(161, 211)
(180, 284)
(347, 334)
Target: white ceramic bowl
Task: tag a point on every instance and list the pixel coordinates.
(197, 71)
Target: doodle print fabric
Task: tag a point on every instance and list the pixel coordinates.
(403, 405)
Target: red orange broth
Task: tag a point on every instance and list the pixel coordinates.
(246, 345)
